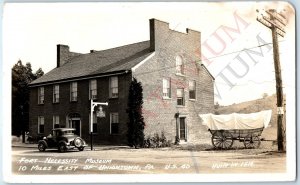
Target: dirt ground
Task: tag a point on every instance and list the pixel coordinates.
(190, 159)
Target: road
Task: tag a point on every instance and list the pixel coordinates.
(124, 160)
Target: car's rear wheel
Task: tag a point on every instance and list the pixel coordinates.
(62, 147)
(41, 147)
(81, 148)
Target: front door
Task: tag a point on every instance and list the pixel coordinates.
(182, 128)
(76, 125)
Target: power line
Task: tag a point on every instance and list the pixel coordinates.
(242, 50)
(193, 62)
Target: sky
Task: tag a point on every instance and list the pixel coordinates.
(31, 32)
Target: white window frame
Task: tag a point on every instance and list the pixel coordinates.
(114, 87)
(73, 91)
(111, 121)
(56, 93)
(167, 88)
(179, 65)
(41, 95)
(192, 84)
(55, 121)
(93, 89)
(41, 121)
(183, 97)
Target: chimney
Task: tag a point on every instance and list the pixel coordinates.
(62, 54)
(158, 29)
(152, 34)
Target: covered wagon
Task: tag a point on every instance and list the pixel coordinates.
(246, 128)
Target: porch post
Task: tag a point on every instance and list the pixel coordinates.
(91, 124)
(177, 126)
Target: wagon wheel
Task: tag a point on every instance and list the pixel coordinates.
(251, 141)
(222, 140)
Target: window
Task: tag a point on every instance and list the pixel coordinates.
(180, 96)
(179, 65)
(166, 88)
(41, 95)
(41, 123)
(95, 124)
(113, 84)
(192, 89)
(114, 123)
(73, 91)
(55, 121)
(93, 89)
(55, 93)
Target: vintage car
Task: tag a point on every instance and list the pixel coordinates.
(63, 139)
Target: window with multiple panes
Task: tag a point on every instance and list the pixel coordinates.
(114, 123)
(113, 87)
(192, 89)
(95, 124)
(180, 96)
(93, 89)
(55, 121)
(179, 65)
(55, 93)
(41, 123)
(73, 91)
(41, 95)
(166, 88)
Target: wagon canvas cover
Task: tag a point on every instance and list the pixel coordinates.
(237, 121)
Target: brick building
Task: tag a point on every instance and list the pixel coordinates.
(176, 88)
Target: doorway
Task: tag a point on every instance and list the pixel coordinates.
(182, 128)
(76, 124)
(74, 121)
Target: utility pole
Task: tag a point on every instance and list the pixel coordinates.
(276, 22)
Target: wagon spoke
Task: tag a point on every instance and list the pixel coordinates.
(222, 139)
(256, 141)
(217, 142)
(227, 143)
(251, 141)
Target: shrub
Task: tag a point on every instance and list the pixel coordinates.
(177, 140)
(157, 141)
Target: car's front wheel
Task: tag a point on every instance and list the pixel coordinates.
(78, 142)
(81, 148)
(41, 147)
(62, 147)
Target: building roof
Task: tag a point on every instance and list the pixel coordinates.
(98, 62)
(213, 78)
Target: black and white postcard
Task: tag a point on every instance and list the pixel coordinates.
(149, 92)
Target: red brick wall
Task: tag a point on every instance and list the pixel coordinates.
(82, 106)
(159, 113)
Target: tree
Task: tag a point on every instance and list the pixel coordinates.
(136, 124)
(21, 77)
